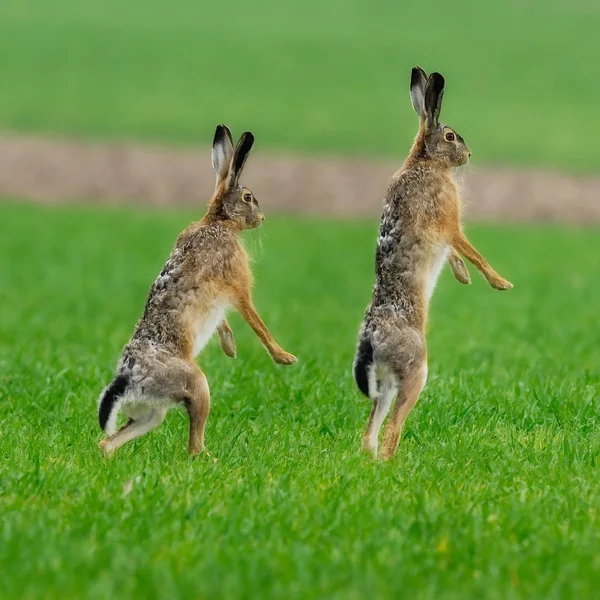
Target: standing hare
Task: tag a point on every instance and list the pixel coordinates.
(420, 229)
(206, 273)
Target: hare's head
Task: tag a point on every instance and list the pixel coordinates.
(435, 140)
(232, 201)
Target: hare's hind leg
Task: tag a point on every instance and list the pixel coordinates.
(182, 383)
(197, 404)
(103, 442)
(411, 386)
(134, 428)
(381, 406)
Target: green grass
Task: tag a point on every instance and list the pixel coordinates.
(309, 76)
(494, 491)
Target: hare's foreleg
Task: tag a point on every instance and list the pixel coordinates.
(410, 387)
(458, 267)
(133, 429)
(248, 312)
(462, 244)
(381, 406)
(226, 338)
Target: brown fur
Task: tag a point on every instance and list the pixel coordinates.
(207, 271)
(420, 229)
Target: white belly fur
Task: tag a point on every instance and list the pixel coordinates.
(207, 325)
(435, 269)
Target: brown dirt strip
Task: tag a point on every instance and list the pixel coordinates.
(58, 171)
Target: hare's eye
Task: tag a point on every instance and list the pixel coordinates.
(450, 136)
(247, 197)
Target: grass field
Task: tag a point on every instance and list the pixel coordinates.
(494, 492)
(312, 75)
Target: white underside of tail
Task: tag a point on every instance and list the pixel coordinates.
(383, 394)
(137, 407)
(382, 374)
(372, 381)
(111, 423)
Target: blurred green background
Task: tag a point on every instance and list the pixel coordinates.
(312, 76)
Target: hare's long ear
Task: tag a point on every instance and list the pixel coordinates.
(434, 93)
(222, 152)
(418, 83)
(240, 154)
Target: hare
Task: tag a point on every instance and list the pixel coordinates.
(420, 230)
(207, 273)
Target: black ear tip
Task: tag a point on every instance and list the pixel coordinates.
(438, 80)
(248, 139)
(222, 130)
(417, 77)
(219, 133)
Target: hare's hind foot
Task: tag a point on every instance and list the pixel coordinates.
(410, 390)
(197, 404)
(132, 429)
(104, 443)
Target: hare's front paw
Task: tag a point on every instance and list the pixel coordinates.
(284, 358)
(501, 284)
(462, 275)
(459, 269)
(228, 345)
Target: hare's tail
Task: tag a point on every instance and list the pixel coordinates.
(108, 405)
(364, 369)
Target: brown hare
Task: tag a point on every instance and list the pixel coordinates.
(206, 273)
(420, 230)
